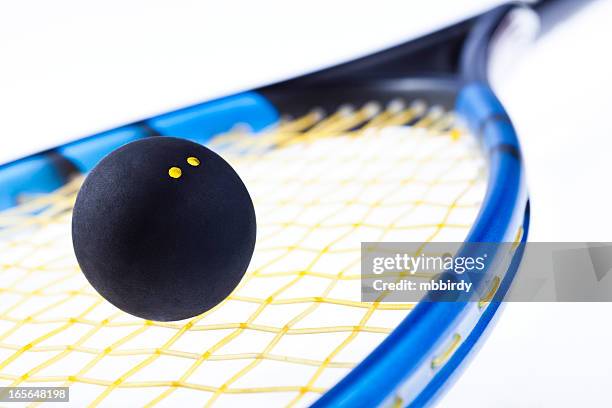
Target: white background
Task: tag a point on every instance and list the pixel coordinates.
(69, 68)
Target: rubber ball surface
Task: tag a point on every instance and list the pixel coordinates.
(163, 228)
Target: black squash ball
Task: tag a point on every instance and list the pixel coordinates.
(163, 228)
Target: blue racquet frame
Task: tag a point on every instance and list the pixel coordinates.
(400, 369)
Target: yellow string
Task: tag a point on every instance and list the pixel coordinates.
(295, 324)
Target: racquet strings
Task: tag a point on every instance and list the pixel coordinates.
(321, 184)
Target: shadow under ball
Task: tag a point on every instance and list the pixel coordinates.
(163, 228)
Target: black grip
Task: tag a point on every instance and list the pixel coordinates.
(553, 12)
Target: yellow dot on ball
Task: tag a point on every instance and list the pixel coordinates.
(193, 161)
(175, 172)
